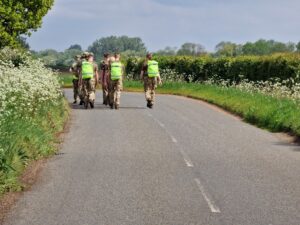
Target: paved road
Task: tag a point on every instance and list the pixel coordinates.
(182, 163)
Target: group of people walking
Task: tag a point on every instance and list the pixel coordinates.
(86, 76)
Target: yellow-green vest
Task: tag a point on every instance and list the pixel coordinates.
(87, 70)
(153, 70)
(116, 70)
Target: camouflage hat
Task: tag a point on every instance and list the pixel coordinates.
(85, 54)
(90, 54)
(77, 56)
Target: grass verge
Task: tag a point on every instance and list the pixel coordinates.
(29, 140)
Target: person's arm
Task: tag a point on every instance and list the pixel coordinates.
(142, 75)
(80, 76)
(123, 72)
(159, 79)
(96, 74)
(102, 73)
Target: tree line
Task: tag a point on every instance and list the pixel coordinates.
(230, 49)
(134, 46)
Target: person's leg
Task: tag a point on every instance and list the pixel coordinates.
(112, 94)
(92, 92)
(153, 84)
(147, 91)
(118, 93)
(75, 90)
(105, 94)
(84, 90)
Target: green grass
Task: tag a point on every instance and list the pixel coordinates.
(277, 115)
(26, 140)
(66, 79)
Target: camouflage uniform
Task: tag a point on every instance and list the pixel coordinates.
(150, 84)
(115, 88)
(75, 70)
(89, 87)
(105, 81)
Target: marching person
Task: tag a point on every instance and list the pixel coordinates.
(116, 81)
(150, 76)
(75, 70)
(88, 78)
(104, 78)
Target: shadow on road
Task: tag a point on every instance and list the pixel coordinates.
(293, 146)
(103, 107)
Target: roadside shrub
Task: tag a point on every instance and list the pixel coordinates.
(32, 109)
(253, 68)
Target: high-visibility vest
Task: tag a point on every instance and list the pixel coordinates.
(87, 70)
(153, 70)
(116, 70)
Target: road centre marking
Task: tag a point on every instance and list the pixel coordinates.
(174, 139)
(208, 199)
(185, 156)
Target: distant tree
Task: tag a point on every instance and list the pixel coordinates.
(20, 18)
(228, 49)
(191, 49)
(298, 47)
(167, 51)
(118, 44)
(266, 47)
(76, 47)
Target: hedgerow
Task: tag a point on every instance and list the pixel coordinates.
(253, 68)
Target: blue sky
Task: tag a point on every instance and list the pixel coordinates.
(162, 23)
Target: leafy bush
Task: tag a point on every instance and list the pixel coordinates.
(32, 109)
(253, 68)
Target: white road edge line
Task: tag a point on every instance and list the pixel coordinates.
(212, 206)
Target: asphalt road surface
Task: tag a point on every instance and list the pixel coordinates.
(181, 163)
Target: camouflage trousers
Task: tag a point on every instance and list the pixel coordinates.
(105, 90)
(150, 84)
(115, 87)
(76, 89)
(88, 90)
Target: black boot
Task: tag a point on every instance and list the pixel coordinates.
(92, 104)
(86, 104)
(148, 103)
(117, 106)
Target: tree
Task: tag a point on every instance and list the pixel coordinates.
(121, 44)
(76, 47)
(20, 17)
(298, 47)
(228, 49)
(167, 51)
(266, 47)
(191, 49)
